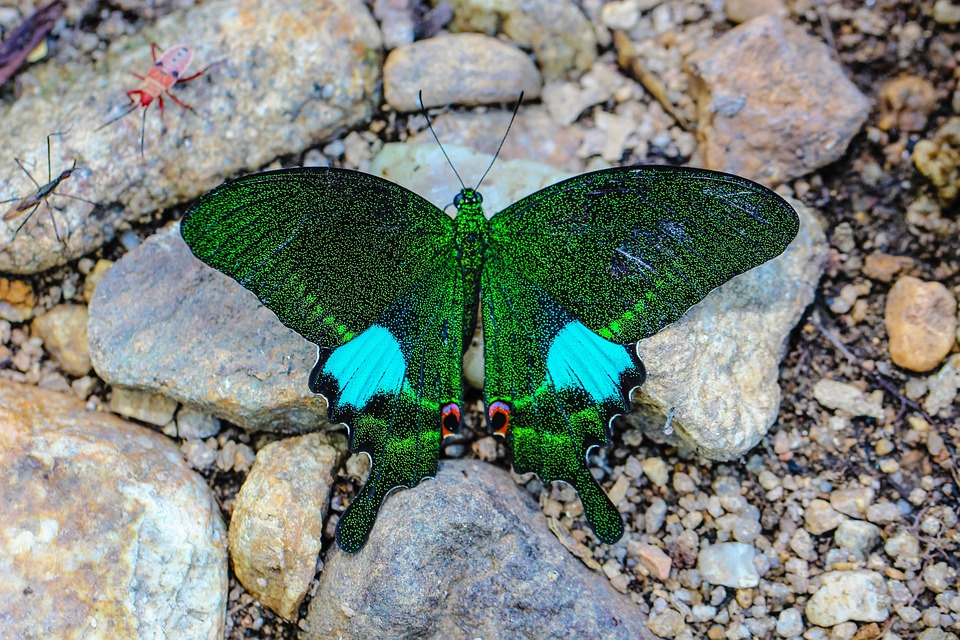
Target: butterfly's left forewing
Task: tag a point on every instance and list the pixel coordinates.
(627, 251)
(552, 386)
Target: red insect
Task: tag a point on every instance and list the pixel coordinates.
(167, 70)
(30, 203)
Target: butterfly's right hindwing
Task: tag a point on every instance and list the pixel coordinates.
(397, 386)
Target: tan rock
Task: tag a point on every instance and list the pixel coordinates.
(465, 68)
(885, 267)
(921, 322)
(64, 333)
(105, 532)
(277, 522)
(906, 102)
(820, 517)
(773, 103)
(939, 159)
(148, 407)
(742, 10)
(557, 31)
(655, 560)
(93, 278)
(16, 300)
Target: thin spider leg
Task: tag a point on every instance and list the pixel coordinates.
(49, 168)
(73, 197)
(25, 219)
(17, 160)
(53, 219)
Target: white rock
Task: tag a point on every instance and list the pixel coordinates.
(729, 564)
(848, 595)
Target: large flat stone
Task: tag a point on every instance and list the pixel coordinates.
(105, 532)
(293, 72)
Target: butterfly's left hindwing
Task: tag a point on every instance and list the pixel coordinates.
(552, 386)
(397, 386)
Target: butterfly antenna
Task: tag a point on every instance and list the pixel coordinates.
(502, 140)
(423, 110)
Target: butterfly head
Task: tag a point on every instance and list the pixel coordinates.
(467, 197)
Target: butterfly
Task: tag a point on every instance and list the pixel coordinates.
(570, 279)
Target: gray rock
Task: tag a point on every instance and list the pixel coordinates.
(560, 35)
(789, 624)
(848, 595)
(850, 398)
(944, 386)
(466, 555)
(939, 576)
(729, 564)
(164, 322)
(423, 169)
(106, 531)
(857, 537)
(728, 347)
(748, 128)
(283, 85)
(883, 513)
(533, 136)
(196, 424)
(277, 523)
(467, 68)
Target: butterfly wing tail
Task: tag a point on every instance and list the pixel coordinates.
(403, 440)
(541, 442)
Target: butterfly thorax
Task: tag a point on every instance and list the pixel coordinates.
(470, 237)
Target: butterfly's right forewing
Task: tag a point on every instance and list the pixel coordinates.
(327, 250)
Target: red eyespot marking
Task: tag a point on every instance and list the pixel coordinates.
(449, 419)
(499, 416)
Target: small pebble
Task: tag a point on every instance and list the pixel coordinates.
(667, 624)
(656, 470)
(729, 564)
(789, 623)
(819, 517)
(850, 398)
(852, 502)
(848, 595)
(883, 513)
(856, 537)
(921, 322)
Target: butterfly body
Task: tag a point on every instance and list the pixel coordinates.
(471, 233)
(568, 280)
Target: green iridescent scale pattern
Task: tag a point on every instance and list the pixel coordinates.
(622, 252)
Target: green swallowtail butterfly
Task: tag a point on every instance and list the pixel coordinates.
(570, 278)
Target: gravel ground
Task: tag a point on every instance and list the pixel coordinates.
(859, 478)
